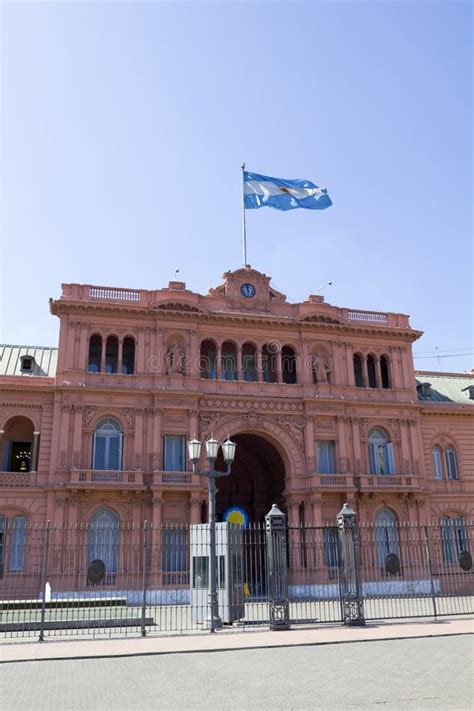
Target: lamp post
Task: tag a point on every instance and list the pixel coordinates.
(212, 449)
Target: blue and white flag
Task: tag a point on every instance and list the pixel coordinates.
(263, 191)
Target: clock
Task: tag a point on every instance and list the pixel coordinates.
(247, 290)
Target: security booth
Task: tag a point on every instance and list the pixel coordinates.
(229, 574)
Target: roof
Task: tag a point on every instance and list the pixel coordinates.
(445, 387)
(45, 360)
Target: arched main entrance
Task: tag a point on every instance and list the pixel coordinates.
(257, 480)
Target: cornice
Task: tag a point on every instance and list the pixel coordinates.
(282, 322)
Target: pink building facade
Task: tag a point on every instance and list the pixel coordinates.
(323, 402)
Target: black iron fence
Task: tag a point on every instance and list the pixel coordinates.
(121, 579)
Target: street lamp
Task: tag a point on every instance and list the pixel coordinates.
(212, 450)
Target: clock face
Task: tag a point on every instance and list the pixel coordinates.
(247, 290)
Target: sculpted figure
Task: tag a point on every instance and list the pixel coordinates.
(174, 359)
(321, 369)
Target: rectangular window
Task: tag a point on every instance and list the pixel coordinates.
(454, 538)
(332, 556)
(17, 547)
(173, 556)
(174, 453)
(381, 458)
(325, 457)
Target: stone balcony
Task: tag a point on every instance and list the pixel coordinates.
(17, 479)
(105, 479)
(387, 482)
(174, 480)
(332, 482)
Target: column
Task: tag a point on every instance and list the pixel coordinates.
(304, 372)
(406, 465)
(155, 540)
(350, 364)
(194, 369)
(156, 446)
(83, 348)
(336, 375)
(102, 355)
(279, 365)
(140, 351)
(77, 437)
(138, 440)
(2, 453)
(34, 453)
(342, 464)
(378, 373)
(239, 362)
(195, 508)
(365, 374)
(309, 444)
(358, 460)
(70, 345)
(120, 355)
(259, 365)
(294, 513)
(317, 510)
(219, 361)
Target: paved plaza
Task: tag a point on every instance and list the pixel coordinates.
(393, 674)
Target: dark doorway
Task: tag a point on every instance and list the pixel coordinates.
(257, 480)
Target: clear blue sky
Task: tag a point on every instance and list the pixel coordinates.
(123, 127)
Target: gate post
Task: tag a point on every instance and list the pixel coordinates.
(277, 569)
(351, 588)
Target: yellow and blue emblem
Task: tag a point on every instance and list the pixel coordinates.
(237, 515)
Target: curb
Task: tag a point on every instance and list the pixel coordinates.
(229, 649)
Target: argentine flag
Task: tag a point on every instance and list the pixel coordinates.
(263, 191)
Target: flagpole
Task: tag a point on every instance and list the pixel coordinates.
(244, 226)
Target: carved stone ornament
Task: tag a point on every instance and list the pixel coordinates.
(88, 414)
(364, 426)
(129, 416)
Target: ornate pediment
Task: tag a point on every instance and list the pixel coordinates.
(247, 289)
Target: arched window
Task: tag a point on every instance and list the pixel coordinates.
(358, 373)
(437, 462)
(229, 361)
(288, 365)
(111, 355)
(128, 356)
(208, 360)
(95, 353)
(385, 372)
(451, 463)
(107, 453)
(381, 460)
(17, 544)
(17, 449)
(104, 542)
(249, 362)
(371, 371)
(269, 366)
(453, 537)
(386, 535)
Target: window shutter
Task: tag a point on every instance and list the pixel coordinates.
(373, 459)
(390, 458)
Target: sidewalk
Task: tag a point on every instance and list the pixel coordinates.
(230, 640)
